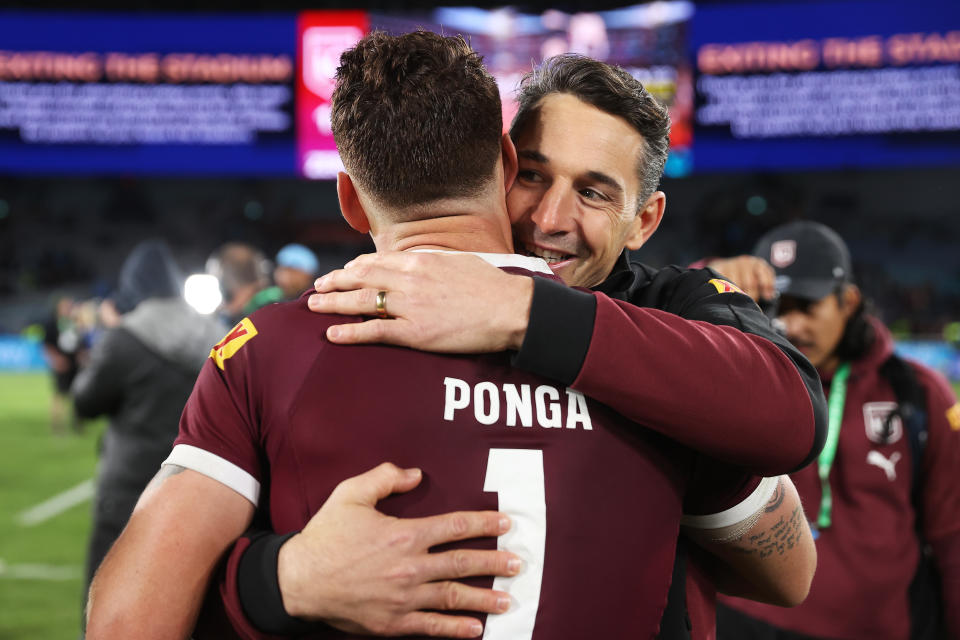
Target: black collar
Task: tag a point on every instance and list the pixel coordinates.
(620, 279)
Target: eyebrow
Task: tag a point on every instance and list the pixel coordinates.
(536, 156)
(603, 178)
(596, 176)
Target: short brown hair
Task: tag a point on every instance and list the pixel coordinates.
(610, 89)
(416, 117)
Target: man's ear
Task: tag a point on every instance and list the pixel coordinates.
(508, 151)
(647, 220)
(850, 297)
(350, 206)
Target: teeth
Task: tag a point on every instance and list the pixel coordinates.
(546, 254)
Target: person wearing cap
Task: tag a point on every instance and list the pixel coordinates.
(883, 497)
(297, 266)
(140, 373)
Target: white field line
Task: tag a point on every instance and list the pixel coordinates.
(38, 572)
(56, 505)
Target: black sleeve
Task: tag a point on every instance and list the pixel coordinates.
(558, 333)
(259, 588)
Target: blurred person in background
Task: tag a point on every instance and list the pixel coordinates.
(243, 271)
(140, 373)
(61, 345)
(884, 494)
(296, 268)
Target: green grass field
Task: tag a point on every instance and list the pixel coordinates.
(35, 465)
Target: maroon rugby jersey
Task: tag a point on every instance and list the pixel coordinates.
(282, 415)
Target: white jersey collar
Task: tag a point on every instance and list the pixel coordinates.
(501, 260)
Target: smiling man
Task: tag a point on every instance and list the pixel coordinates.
(579, 221)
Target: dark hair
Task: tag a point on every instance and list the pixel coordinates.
(858, 335)
(610, 89)
(416, 117)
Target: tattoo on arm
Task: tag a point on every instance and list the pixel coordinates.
(783, 536)
(166, 471)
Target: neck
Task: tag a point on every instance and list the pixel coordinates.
(829, 366)
(482, 228)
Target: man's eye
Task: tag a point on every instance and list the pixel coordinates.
(528, 176)
(590, 194)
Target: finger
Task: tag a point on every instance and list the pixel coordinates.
(437, 625)
(357, 302)
(378, 483)
(393, 331)
(370, 276)
(460, 525)
(463, 563)
(456, 596)
(768, 279)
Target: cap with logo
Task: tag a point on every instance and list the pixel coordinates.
(809, 258)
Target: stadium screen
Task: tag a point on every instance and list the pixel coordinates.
(827, 84)
(231, 94)
(750, 86)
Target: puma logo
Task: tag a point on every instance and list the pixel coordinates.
(888, 465)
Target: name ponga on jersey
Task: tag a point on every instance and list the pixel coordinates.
(516, 404)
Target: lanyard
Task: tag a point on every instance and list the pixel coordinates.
(838, 397)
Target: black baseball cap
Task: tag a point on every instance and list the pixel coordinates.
(809, 258)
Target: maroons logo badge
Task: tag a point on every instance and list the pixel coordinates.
(874, 416)
(783, 253)
(233, 341)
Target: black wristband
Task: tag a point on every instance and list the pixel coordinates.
(558, 332)
(259, 588)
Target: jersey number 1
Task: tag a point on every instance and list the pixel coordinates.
(517, 477)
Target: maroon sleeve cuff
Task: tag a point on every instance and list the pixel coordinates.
(558, 333)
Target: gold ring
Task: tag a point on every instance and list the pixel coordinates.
(382, 304)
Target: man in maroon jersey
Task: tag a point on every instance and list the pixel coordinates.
(577, 202)
(281, 409)
(889, 511)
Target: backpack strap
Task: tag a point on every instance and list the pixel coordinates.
(912, 411)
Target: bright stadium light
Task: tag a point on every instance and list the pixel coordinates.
(202, 292)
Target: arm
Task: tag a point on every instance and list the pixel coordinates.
(635, 359)
(98, 387)
(361, 571)
(768, 556)
(152, 582)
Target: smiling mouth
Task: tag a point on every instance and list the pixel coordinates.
(549, 255)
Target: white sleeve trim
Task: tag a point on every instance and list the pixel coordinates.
(737, 513)
(213, 466)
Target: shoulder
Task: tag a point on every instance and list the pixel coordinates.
(276, 331)
(288, 320)
(939, 392)
(697, 294)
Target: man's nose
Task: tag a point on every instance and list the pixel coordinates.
(555, 211)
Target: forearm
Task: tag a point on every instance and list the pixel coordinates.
(730, 394)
